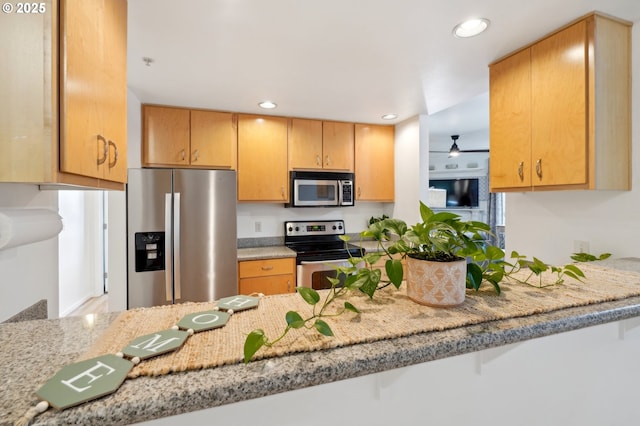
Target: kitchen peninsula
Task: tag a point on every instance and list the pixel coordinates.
(493, 368)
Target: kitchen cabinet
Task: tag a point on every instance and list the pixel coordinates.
(337, 145)
(267, 276)
(262, 159)
(165, 135)
(374, 162)
(214, 139)
(316, 144)
(63, 114)
(180, 137)
(560, 111)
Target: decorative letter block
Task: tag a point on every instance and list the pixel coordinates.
(206, 320)
(155, 344)
(238, 303)
(85, 380)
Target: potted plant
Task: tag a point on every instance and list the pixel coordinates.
(443, 255)
(442, 238)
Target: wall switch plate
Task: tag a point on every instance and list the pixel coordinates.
(258, 226)
(580, 246)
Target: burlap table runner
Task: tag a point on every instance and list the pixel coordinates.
(390, 314)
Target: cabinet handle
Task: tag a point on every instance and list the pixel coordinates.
(105, 149)
(539, 168)
(115, 154)
(234, 121)
(267, 268)
(359, 192)
(282, 191)
(328, 160)
(182, 154)
(289, 286)
(521, 171)
(196, 154)
(318, 161)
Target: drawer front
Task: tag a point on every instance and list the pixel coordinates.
(277, 284)
(265, 267)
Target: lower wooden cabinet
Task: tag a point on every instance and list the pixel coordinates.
(267, 276)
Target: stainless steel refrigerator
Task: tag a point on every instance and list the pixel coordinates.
(181, 236)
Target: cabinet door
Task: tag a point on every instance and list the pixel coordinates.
(337, 145)
(305, 144)
(262, 158)
(214, 139)
(165, 136)
(114, 89)
(559, 107)
(276, 284)
(374, 157)
(510, 122)
(93, 88)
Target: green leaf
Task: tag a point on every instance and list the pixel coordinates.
(349, 307)
(309, 295)
(368, 280)
(294, 319)
(573, 268)
(323, 328)
(255, 340)
(474, 276)
(395, 271)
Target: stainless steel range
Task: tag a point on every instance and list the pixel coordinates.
(318, 245)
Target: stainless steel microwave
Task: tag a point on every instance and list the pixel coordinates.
(321, 189)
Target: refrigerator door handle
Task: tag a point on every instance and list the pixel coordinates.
(168, 270)
(176, 245)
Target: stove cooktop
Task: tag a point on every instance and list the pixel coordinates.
(319, 240)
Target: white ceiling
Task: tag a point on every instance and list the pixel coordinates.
(351, 60)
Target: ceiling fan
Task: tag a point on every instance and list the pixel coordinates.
(454, 151)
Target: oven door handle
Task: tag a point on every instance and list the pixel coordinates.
(320, 262)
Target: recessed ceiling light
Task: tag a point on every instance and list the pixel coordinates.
(267, 105)
(471, 27)
(390, 116)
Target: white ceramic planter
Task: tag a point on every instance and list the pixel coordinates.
(438, 284)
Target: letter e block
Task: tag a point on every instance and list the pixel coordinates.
(85, 380)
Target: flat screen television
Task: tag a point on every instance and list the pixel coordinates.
(460, 192)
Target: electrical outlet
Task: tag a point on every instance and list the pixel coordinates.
(258, 226)
(580, 246)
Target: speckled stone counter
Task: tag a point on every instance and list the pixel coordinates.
(256, 253)
(32, 351)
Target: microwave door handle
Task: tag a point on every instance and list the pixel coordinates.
(340, 189)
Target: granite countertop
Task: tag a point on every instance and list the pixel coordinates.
(269, 252)
(32, 351)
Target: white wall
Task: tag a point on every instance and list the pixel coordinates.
(546, 225)
(80, 248)
(408, 149)
(28, 273)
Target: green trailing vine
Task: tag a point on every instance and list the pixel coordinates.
(440, 235)
(257, 338)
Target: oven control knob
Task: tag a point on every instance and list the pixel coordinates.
(340, 227)
(334, 227)
(290, 229)
(297, 228)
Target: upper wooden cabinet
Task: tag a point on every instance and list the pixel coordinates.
(374, 158)
(179, 137)
(560, 111)
(63, 115)
(316, 144)
(165, 136)
(262, 159)
(214, 139)
(337, 145)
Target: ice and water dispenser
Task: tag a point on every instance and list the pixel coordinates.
(150, 255)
